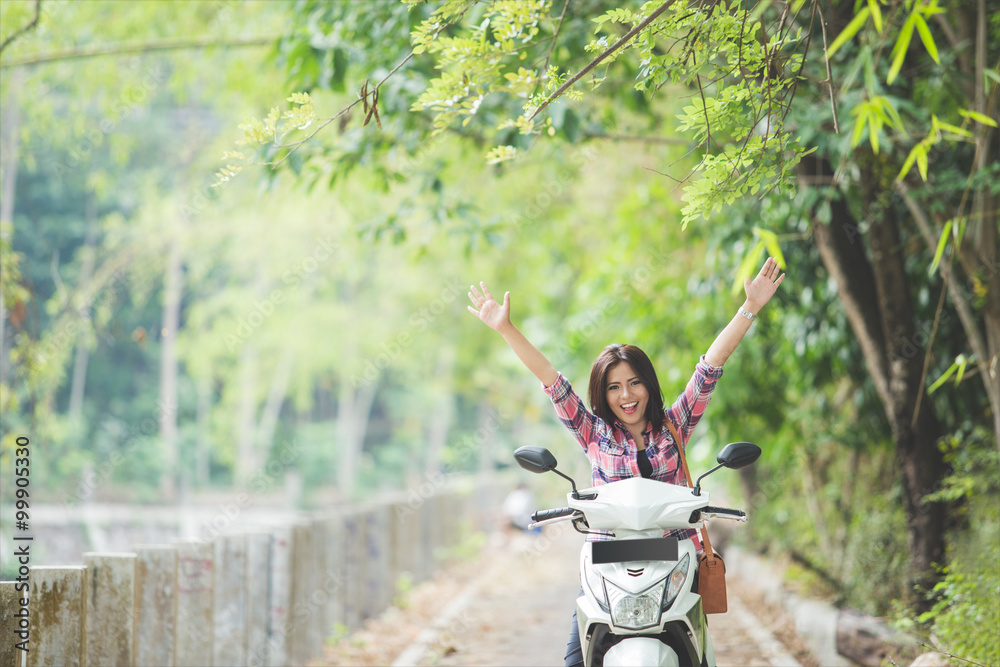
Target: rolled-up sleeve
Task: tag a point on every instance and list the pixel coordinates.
(690, 405)
(571, 410)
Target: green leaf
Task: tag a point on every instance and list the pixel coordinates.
(926, 38)
(961, 361)
(922, 164)
(990, 74)
(910, 159)
(958, 231)
(944, 378)
(954, 129)
(770, 240)
(876, 15)
(942, 242)
(747, 266)
(899, 51)
(978, 117)
(859, 124)
(850, 31)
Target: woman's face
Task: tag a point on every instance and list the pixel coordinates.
(627, 395)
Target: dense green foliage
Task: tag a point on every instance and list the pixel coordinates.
(322, 328)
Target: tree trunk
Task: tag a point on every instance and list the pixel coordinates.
(202, 447)
(882, 319)
(353, 409)
(984, 216)
(440, 424)
(168, 366)
(246, 416)
(10, 128)
(272, 406)
(82, 349)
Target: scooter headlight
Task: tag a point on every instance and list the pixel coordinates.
(635, 612)
(595, 582)
(675, 582)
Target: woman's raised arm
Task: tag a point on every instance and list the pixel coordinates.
(497, 317)
(759, 291)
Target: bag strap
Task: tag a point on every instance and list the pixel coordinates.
(706, 543)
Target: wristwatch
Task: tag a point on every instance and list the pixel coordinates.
(747, 314)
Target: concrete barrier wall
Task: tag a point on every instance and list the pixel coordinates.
(10, 604)
(265, 595)
(110, 608)
(155, 604)
(57, 606)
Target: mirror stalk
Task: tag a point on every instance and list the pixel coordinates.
(576, 494)
(697, 485)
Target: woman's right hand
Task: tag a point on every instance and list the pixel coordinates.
(494, 315)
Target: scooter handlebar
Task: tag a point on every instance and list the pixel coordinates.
(724, 513)
(545, 515)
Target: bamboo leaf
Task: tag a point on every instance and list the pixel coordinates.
(978, 117)
(941, 380)
(773, 247)
(990, 74)
(859, 124)
(899, 51)
(894, 121)
(850, 31)
(954, 129)
(926, 38)
(747, 266)
(961, 361)
(942, 242)
(876, 14)
(958, 231)
(910, 159)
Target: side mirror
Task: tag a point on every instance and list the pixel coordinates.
(734, 455)
(539, 459)
(535, 459)
(738, 455)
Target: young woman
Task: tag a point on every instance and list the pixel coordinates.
(624, 433)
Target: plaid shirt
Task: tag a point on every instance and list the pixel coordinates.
(612, 450)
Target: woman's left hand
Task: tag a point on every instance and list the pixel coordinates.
(760, 290)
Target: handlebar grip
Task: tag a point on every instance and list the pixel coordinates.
(545, 515)
(724, 510)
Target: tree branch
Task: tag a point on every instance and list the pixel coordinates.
(673, 141)
(116, 49)
(829, 75)
(30, 25)
(555, 36)
(607, 52)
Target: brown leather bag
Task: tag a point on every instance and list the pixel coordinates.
(711, 568)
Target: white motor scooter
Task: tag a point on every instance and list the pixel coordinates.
(638, 605)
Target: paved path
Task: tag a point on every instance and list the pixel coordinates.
(518, 612)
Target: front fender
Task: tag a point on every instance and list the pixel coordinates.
(644, 651)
